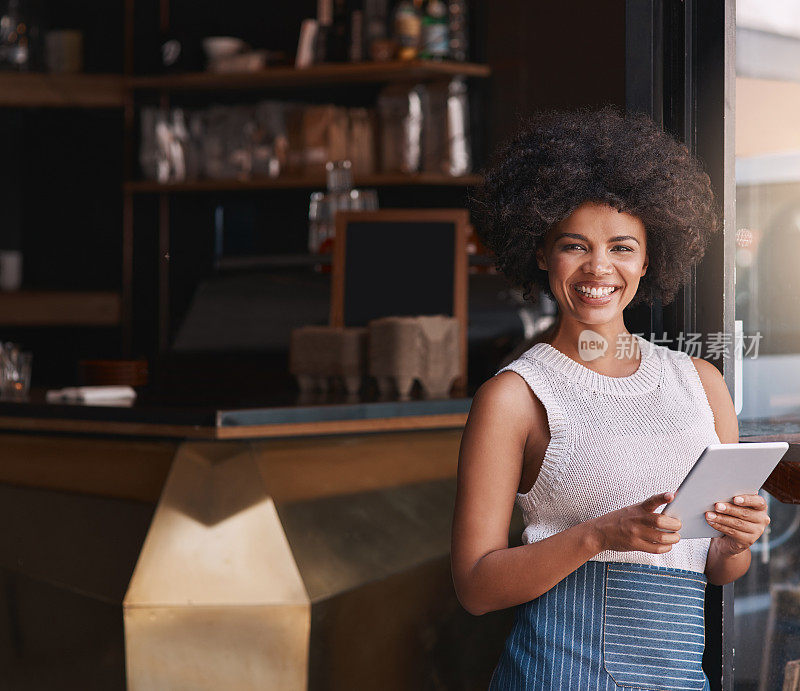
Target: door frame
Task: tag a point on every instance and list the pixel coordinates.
(680, 70)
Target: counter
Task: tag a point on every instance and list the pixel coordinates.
(290, 546)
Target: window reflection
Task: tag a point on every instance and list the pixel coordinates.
(767, 279)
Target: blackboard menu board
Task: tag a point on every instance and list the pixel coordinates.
(400, 262)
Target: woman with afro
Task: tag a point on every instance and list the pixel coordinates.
(592, 429)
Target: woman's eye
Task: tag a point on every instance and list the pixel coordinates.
(616, 247)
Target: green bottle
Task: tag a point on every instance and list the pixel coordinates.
(435, 44)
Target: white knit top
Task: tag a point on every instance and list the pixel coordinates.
(615, 441)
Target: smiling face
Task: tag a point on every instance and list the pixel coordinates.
(594, 259)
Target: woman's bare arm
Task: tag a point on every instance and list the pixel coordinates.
(725, 422)
(487, 574)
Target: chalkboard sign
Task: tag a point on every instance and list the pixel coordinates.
(400, 262)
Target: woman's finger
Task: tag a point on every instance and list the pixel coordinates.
(652, 503)
(755, 501)
(663, 538)
(745, 513)
(662, 522)
(653, 548)
(745, 527)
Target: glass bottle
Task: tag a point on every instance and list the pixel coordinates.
(408, 28)
(435, 42)
(458, 127)
(375, 12)
(318, 221)
(323, 207)
(340, 196)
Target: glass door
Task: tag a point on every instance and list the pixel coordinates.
(767, 288)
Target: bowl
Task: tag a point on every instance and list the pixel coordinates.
(217, 47)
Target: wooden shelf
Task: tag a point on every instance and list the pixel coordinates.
(273, 261)
(303, 182)
(51, 90)
(57, 308)
(332, 74)
(45, 90)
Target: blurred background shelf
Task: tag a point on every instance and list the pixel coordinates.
(50, 90)
(45, 90)
(304, 182)
(273, 261)
(59, 308)
(316, 75)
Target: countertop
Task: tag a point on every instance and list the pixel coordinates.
(277, 416)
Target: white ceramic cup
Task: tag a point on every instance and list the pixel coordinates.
(217, 47)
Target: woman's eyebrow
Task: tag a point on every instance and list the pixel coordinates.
(578, 236)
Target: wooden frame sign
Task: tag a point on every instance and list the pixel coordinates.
(401, 262)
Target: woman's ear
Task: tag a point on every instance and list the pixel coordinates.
(646, 262)
(541, 262)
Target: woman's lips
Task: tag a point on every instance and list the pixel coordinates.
(589, 300)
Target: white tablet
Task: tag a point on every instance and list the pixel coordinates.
(722, 472)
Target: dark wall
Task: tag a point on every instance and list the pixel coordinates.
(553, 55)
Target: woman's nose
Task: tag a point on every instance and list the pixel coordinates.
(598, 263)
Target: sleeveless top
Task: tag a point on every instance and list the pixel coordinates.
(614, 442)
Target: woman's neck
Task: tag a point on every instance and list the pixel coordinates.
(608, 349)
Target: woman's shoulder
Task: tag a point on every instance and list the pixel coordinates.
(719, 399)
(702, 367)
(682, 362)
(507, 398)
(507, 387)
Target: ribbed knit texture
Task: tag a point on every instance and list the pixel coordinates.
(615, 441)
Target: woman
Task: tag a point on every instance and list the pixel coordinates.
(591, 430)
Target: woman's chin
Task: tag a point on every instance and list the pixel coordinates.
(599, 313)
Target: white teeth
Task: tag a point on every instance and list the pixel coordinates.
(595, 292)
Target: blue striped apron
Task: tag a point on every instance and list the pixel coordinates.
(609, 626)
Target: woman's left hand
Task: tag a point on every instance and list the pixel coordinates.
(742, 522)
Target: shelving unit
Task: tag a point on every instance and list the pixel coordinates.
(125, 92)
(277, 78)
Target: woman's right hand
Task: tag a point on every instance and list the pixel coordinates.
(638, 527)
